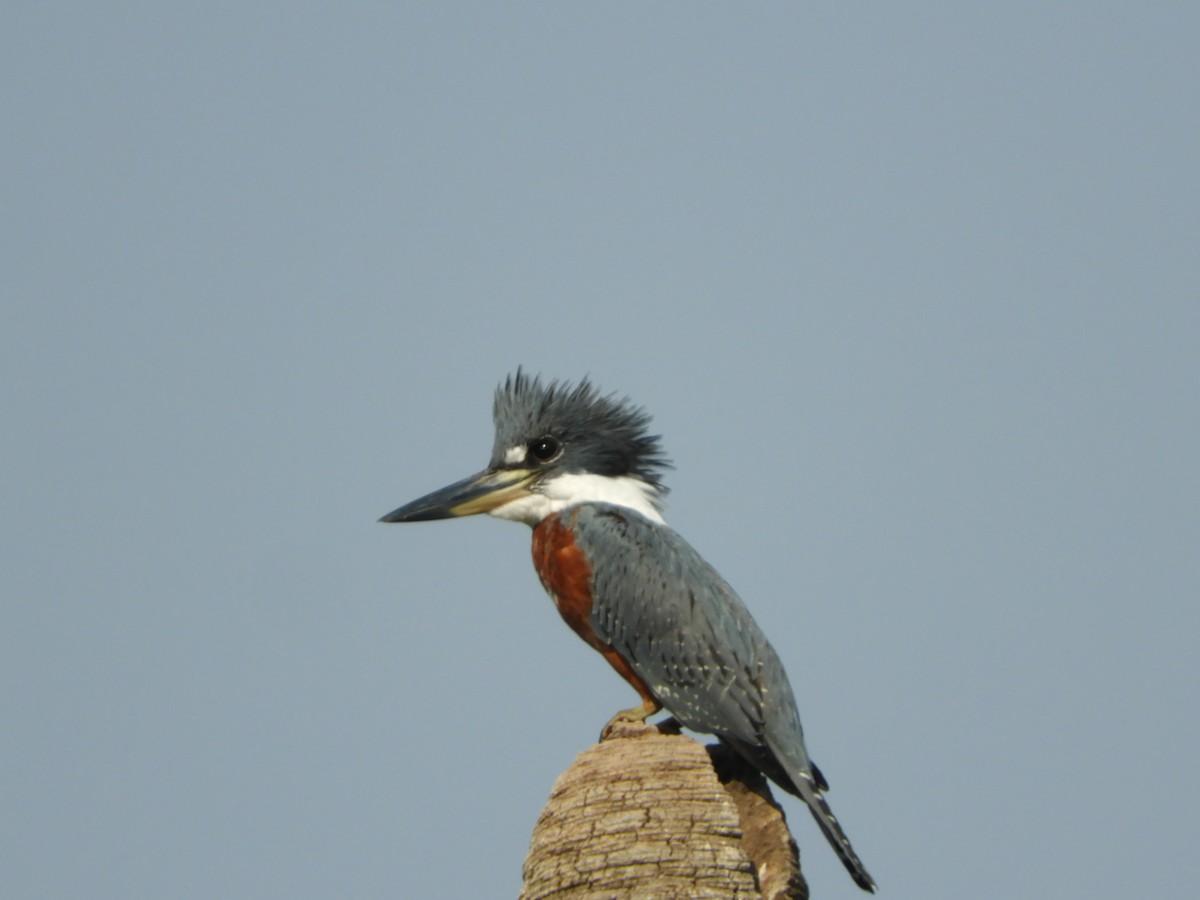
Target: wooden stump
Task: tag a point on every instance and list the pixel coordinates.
(647, 814)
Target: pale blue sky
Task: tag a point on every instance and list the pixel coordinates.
(911, 291)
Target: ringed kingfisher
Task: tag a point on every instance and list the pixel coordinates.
(582, 470)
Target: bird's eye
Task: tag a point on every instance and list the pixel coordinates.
(544, 448)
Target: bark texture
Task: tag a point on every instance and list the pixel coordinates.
(647, 814)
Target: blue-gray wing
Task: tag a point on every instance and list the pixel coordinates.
(692, 641)
(689, 636)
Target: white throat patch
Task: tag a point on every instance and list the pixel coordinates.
(565, 490)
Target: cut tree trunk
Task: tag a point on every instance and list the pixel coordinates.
(648, 814)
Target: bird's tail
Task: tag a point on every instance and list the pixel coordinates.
(810, 789)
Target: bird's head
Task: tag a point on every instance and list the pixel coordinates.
(556, 445)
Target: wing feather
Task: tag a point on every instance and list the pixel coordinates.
(690, 638)
(686, 632)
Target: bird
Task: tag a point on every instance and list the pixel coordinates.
(581, 468)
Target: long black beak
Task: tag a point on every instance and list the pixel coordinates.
(478, 494)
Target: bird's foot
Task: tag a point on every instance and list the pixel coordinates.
(630, 722)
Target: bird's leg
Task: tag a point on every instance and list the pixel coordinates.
(634, 716)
